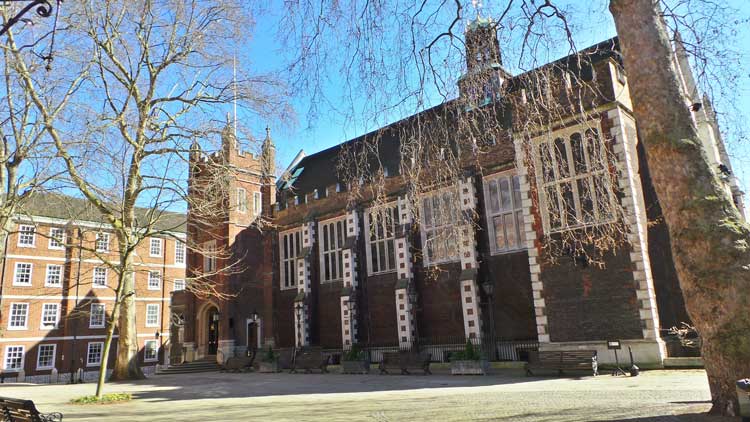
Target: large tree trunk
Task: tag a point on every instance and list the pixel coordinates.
(126, 364)
(710, 242)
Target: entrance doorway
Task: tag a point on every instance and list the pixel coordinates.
(213, 331)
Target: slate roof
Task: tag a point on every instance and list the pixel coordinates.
(55, 205)
(319, 170)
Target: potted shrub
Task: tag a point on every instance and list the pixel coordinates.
(269, 361)
(468, 361)
(355, 361)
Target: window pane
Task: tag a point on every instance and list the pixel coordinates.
(510, 231)
(587, 200)
(561, 155)
(569, 206)
(494, 198)
(601, 189)
(504, 194)
(594, 149)
(545, 156)
(553, 207)
(374, 257)
(579, 159)
(391, 256)
(381, 252)
(516, 192)
(427, 211)
(519, 228)
(500, 242)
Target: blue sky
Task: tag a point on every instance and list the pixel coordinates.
(591, 21)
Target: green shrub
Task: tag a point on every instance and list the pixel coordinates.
(469, 353)
(106, 398)
(355, 353)
(269, 356)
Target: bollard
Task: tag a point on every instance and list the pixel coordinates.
(743, 398)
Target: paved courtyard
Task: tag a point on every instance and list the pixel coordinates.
(653, 396)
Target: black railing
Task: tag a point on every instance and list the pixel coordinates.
(441, 348)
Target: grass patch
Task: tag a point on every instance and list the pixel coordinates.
(106, 399)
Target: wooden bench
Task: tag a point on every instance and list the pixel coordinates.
(563, 360)
(310, 358)
(404, 361)
(18, 410)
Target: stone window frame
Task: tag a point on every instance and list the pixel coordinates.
(209, 256)
(155, 357)
(152, 317)
(56, 238)
(515, 210)
(18, 354)
(14, 317)
(51, 356)
(242, 200)
(53, 325)
(98, 315)
(573, 176)
(156, 247)
(100, 353)
(26, 236)
(257, 203)
(374, 240)
(59, 270)
(449, 225)
(97, 278)
(288, 258)
(154, 280)
(332, 253)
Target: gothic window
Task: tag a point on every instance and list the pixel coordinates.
(381, 223)
(290, 243)
(332, 234)
(573, 179)
(502, 196)
(441, 219)
(241, 200)
(209, 256)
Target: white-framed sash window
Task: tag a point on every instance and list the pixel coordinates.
(45, 356)
(179, 252)
(102, 242)
(100, 277)
(152, 315)
(22, 274)
(154, 280)
(50, 315)
(19, 316)
(54, 275)
(14, 358)
(94, 353)
(26, 236)
(150, 351)
(56, 238)
(97, 315)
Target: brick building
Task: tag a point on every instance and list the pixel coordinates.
(333, 275)
(56, 289)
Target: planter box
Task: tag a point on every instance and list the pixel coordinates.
(470, 367)
(355, 366)
(267, 367)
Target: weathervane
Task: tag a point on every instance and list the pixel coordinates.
(477, 7)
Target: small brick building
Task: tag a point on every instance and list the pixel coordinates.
(324, 272)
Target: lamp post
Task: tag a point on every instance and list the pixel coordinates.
(413, 297)
(299, 307)
(489, 290)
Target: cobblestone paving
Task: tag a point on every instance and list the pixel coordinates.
(655, 396)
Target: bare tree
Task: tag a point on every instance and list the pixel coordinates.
(155, 75)
(709, 237)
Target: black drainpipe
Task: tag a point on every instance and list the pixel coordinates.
(75, 320)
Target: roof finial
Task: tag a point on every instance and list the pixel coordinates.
(477, 7)
(268, 132)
